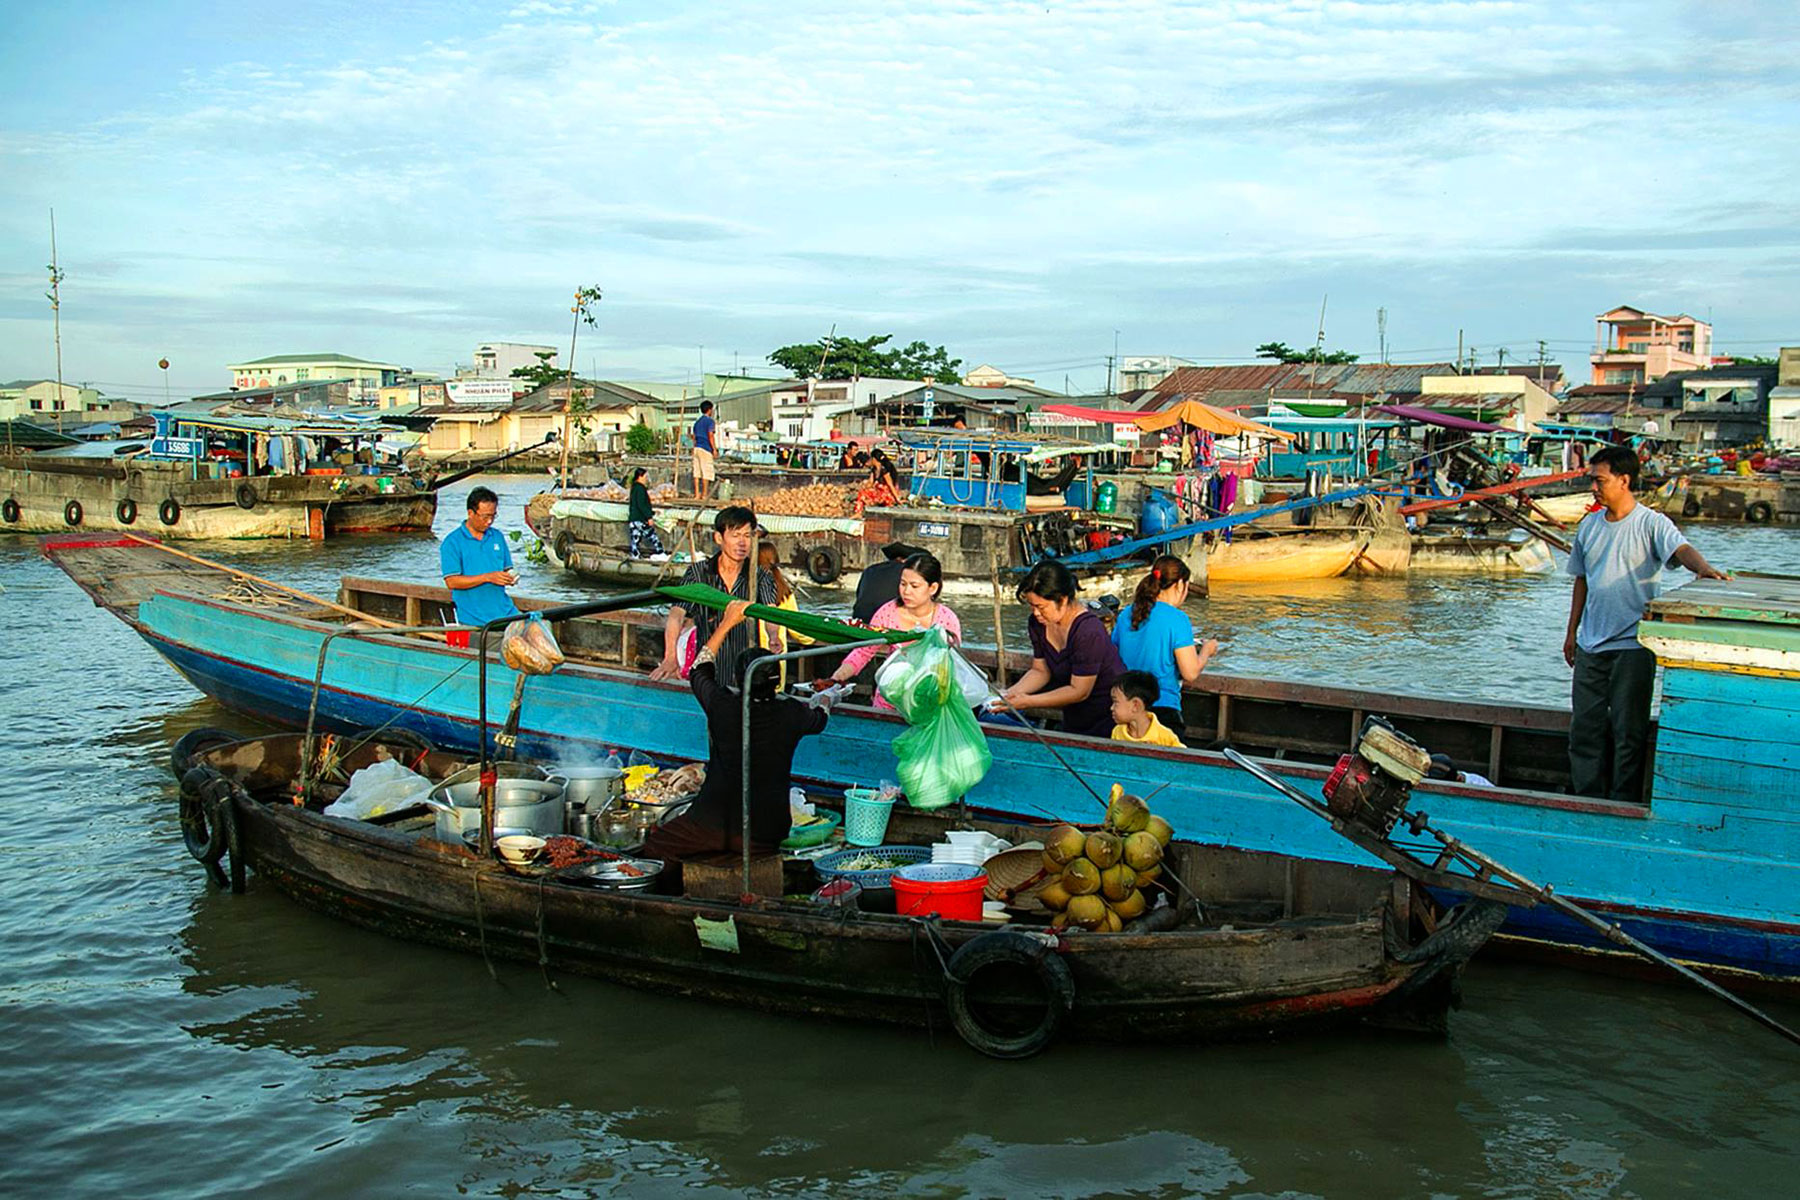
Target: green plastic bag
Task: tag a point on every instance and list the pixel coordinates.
(944, 753)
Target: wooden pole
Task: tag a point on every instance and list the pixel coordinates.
(261, 582)
(999, 634)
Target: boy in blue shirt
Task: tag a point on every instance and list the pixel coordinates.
(477, 563)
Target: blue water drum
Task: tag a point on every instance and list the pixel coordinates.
(1158, 514)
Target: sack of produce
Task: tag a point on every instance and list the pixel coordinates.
(945, 753)
(529, 647)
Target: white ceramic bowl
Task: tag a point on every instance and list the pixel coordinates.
(520, 848)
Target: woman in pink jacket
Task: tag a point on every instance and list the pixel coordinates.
(921, 580)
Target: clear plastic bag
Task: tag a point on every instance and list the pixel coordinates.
(378, 788)
(945, 753)
(530, 648)
(895, 671)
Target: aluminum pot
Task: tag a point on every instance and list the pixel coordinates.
(507, 792)
(543, 817)
(594, 788)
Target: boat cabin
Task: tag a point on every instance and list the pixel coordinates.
(219, 446)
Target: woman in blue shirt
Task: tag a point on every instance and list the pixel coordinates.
(1156, 636)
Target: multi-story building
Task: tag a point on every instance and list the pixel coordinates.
(498, 360)
(41, 400)
(366, 378)
(1633, 346)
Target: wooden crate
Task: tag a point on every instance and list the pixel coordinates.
(721, 876)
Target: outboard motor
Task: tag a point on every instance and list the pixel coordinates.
(1372, 785)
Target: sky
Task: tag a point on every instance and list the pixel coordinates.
(1030, 185)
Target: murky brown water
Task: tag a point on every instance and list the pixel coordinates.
(159, 1038)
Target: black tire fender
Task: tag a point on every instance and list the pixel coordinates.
(9, 510)
(72, 513)
(169, 511)
(126, 511)
(184, 754)
(1690, 507)
(246, 495)
(1008, 949)
(1759, 513)
(199, 831)
(824, 564)
(564, 545)
(1464, 930)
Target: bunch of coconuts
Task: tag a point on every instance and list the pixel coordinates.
(1098, 879)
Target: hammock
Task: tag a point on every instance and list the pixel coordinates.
(820, 629)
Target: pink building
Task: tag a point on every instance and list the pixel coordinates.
(1633, 346)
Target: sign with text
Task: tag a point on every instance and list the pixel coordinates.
(478, 391)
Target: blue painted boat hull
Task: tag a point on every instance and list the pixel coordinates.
(1718, 893)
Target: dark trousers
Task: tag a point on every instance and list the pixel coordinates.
(1609, 731)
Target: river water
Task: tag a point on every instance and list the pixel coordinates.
(160, 1038)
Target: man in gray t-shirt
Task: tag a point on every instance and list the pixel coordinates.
(1617, 561)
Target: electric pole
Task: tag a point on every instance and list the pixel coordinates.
(1381, 332)
(55, 297)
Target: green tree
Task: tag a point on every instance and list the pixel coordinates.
(543, 374)
(844, 357)
(641, 440)
(1754, 360)
(1282, 352)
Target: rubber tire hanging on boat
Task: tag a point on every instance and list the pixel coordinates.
(200, 833)
(169, 511)
(9, 509)
(246, 495)
(72, 513)
(1464, 930)
(1759, 513)
(126, 511)
(1007, 949)
(564, 545)
(824, 564)
(1690, 507)
(183, 755)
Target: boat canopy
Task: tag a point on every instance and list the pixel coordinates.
(1205, 416)
(309, 426)
(1428, 416)
(1328, 424)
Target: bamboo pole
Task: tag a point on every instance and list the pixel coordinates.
(999, 634)
(261, 582)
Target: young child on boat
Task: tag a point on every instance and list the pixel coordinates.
(1132, 698)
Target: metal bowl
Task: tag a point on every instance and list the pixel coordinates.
(622, 874)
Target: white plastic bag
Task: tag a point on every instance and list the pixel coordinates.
(891, 676)
(379, 788)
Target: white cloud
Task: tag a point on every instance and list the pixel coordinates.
(1003, 175)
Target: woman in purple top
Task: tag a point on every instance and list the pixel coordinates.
(1074, 663)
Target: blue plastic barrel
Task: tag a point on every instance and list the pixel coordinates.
(1076, 494)
(1158, 514)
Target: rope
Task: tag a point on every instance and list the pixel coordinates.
(543, 949)
(481, 928)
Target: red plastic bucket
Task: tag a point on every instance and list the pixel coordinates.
(459, 638)
(950, 890)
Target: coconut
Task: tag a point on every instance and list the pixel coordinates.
(1054, 896)
(1142, 851)
(1131, 906)
(1060, 921)
(1117, 881)
(1127, 814)
(1146, 878)
(1089, 912)
(1103, 849)
(1063, 843)
(1112, 923)
(1080, 877)
(1161, 829)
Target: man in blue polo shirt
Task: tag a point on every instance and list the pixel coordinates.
(477, 563)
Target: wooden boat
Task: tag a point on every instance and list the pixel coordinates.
(1757, 499)
(1708, 870)
(1479, 549)
(174, 487)
(1281, 943)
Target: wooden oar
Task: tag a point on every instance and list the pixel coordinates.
(261, 582)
